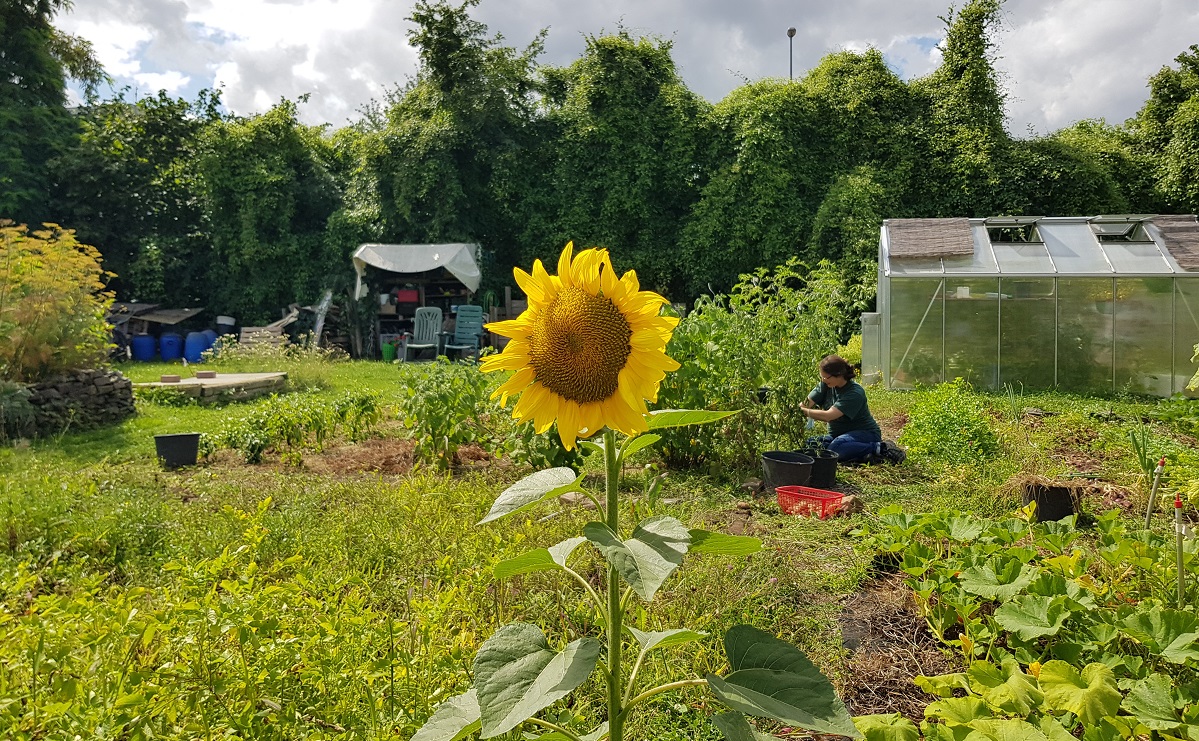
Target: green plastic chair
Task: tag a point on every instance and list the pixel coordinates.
(468, 332)
(425, 334)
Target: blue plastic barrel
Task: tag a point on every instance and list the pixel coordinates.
(143, 347)
(170, 346)
(210, 336)
(194, 346)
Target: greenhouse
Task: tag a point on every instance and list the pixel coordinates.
(1085, 304)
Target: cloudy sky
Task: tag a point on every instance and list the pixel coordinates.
(1061, 60)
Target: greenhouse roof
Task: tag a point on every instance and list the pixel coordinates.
(1119, 245)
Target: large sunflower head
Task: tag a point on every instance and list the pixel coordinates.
(588, 352)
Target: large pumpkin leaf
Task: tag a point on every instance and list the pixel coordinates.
(773, 679)
(649, 557)
(454, 719)
(998, 579)
(540, 559)
(1005, 729)
(735, 727)
(1032, 616)
(517, 674)
(958, 711)
(1051, 585)
(964, 529)
(893, 727)
(552, 482)
(1171, 634)
(1005, 686)
(942, 685)
(1091, 695)
(1151, 700)
(664, 418)
(703, 541)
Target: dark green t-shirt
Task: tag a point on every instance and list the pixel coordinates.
(851, 400)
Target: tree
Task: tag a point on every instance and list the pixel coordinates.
(35, 62)
(268, 192)
(1168, 127)
(130, 186)
(619, 168)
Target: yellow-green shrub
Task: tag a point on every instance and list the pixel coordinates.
(52, 303)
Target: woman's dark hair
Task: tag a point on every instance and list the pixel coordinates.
(835, 365)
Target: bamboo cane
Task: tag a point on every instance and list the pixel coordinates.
(1179, 530)
(1157, 477)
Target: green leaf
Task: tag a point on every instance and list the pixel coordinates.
(665, 638)
(1005, 687)
(663, 418)
(964, 529)
(517, 674)
(638, 443)
(998, 580)
(649, 557)
(959, 711)
(1151, 700)
(530, 490)
(539, 559)
(703, 541)
(1051, 585)
(596, 446)
(1004, 729)
(454, 719)
(942, 685)
(1032, 616)
(773, 679)
(735, 727)
(893, 727)
(1171, 634)
(1091, 695)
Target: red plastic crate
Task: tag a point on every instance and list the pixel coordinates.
(407, 296)
(804, 500)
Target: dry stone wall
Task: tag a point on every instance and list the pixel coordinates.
(81, 400)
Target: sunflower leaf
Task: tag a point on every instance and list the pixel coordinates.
(649, 557)
(734, 727)
(665, 638)
(454, 719)
(536, 487)
(539, 559)
(517, 675)
(773, 679)
(663, 418)
(637, 443)
(704, 541)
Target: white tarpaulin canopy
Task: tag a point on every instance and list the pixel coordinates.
(458, 259)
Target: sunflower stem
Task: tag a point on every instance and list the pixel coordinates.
(615, 607)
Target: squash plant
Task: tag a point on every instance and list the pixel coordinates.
(518, 673)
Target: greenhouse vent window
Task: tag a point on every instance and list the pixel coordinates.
(1013, 229)
(1120, 229)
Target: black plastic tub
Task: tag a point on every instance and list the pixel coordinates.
(784, 468)
(177, 450)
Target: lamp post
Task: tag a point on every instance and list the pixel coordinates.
(791, 53)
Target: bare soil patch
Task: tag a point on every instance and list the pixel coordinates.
(890, 644)
(377, 455)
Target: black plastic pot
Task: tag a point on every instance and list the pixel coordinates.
(177, 450)
(763, 394)
(783, 468)
(1053, 502)
(824, 469)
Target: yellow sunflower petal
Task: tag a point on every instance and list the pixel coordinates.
(564, 264)
(517, 383)
(519, 327)
(532, 287)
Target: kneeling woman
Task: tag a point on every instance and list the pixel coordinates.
(841, 402)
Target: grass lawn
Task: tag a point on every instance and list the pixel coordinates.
(344, 595)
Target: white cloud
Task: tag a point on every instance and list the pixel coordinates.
(1061, 60)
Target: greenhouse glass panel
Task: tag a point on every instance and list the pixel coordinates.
(916, 266)
(1186, 333)
(1084, 335)
(1029, 258)
(1027, 333)
(972, 330)
(1136, 257)
(917, 332)
(1143, 345)
(1073, 250)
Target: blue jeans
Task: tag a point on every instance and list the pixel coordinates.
(852, 447)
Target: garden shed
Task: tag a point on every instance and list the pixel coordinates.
(1085, 304)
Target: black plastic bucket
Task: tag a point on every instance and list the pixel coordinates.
(784, 468)
(824, 469)
(177, 450)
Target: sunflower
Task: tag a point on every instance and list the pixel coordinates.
(588, 352)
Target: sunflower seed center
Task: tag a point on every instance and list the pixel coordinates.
(579, 344)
